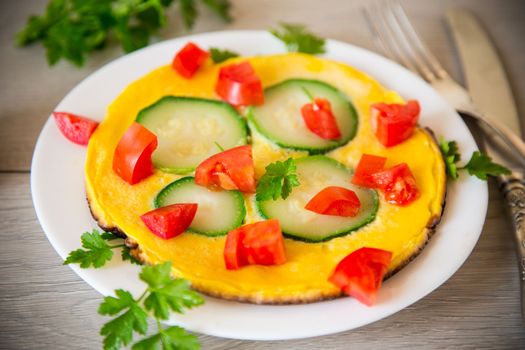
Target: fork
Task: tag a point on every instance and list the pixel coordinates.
(400, 41)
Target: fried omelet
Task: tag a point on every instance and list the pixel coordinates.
(403, 230)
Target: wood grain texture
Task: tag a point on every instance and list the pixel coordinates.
(44, 305)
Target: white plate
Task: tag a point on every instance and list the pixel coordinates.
(57, 184)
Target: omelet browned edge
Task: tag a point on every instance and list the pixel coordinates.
(136, 252)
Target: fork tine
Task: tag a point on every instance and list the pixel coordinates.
(409, 31)
(404, 43)
(381, 31)
(379, 39)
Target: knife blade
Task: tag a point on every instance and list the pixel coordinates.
(490, 91)
(485, 76)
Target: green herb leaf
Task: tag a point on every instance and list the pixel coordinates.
(219, 55)
(450, 152)
(119, 331)
(71, 29)
(169, 339)
(482, 166)
(479, 165)
(151, 343)
(278, 181)
(109, 236)
(113, 305)
(96, 253)
(298, 39)
(188, 10)
(178, 338)
(126, 256)
(220, 7)
(166, 293)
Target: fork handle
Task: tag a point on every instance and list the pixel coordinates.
(513, 190)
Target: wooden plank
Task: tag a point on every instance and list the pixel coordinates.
(477, 307)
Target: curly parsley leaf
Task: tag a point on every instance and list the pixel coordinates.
(220, 7)
(119, 331)
(113, 305)
(482, 166)
(72, 29)
(96, 251)
(278, 181)
(169, 339)
(219, 55)
(109, 236)
(298, 39)
(164, 293)
(450, 152)
(126, 256)
(188, 10)
(167, 294)
(479, 165)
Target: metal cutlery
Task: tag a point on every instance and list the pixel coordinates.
(488, 87)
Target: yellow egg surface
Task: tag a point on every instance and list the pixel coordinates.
(403, 230)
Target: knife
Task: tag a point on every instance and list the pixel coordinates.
(491, 93)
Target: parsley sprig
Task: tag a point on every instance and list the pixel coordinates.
(278, 181)
(299, 39)
(97, 252)
(71, 29)
(479, 165)
(162, 295)
(220, 55)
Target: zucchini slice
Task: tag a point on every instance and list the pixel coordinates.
(188, 130)
(279, 119)
(315, 173)
(218, 213)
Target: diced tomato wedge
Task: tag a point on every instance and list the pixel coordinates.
(170, 221)
(233, 258)
(75, 128)
(189, 59)
(398, 184)
(334, 200)
(394, 123)
(132, 159)
(361, 273)
(239, 85)
(260, 243)
(368, 164)
(230, 170)
(319, 118)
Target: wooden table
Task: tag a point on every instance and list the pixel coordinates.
(45, 305)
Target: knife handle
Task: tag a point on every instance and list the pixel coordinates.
(513, 190)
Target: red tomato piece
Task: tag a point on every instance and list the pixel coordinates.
(260, 243)
(368, 164)
(239, 85)
(398, 184)
(334, 200)
(361, 273)
(232, 250)
(319, 118)
(132, 159)
(230, 170)
(170, 221)
(75, 128)
(394, 123)
(189, 59)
